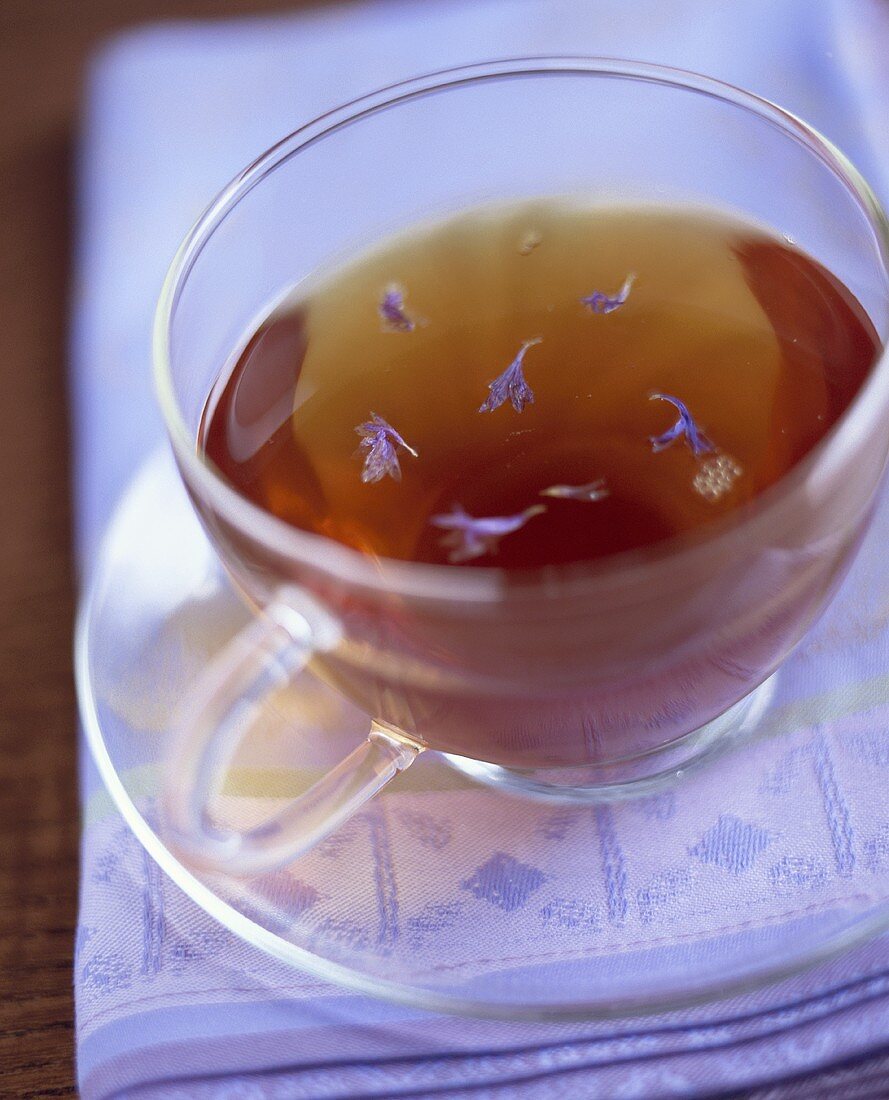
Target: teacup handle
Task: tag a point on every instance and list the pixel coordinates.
(210, 723)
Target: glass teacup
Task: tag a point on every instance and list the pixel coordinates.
(583, 682)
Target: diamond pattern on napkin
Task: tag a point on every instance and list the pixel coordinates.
(504, 881)
(732, 844)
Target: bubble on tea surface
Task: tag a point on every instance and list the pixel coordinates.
(716, 477)
(529, 242)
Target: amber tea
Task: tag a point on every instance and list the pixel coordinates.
(540, 386)
(534, 385)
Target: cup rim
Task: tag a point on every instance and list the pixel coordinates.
(486, 584)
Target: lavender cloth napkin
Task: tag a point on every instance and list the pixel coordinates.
(168, 1003)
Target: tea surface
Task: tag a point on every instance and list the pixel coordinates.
(539, 384)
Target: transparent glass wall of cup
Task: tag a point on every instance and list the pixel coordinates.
(593, 676)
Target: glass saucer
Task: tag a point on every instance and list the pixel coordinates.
(454, 895)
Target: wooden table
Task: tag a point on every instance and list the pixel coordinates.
(43, 48)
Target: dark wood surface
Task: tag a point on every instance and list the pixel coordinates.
(44, 45)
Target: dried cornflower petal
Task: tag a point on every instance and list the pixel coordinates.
(595, 490)
(684, 426)
(379, 441)
(392, 311)
(716, 477)
(511, 383)
(529, 242)
(598, 302)
(472, 537)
